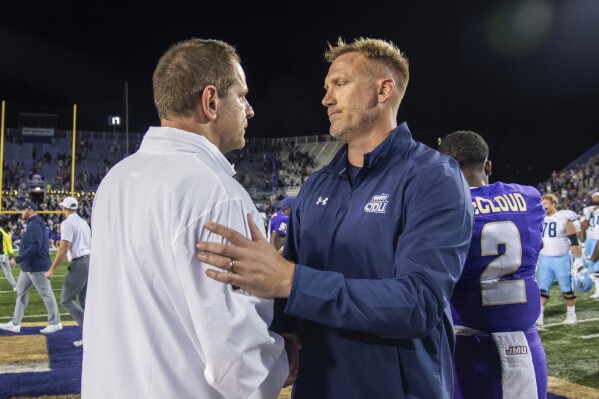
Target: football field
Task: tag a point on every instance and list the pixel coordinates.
(572, 350)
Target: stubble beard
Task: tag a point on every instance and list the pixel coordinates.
(351, 130)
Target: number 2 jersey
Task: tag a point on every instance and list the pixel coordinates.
(497, 290)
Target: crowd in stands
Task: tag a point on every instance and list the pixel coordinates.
(19, 176)
(574, 186)
(52, 220)
(267, 169)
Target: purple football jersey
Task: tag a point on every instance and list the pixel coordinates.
(497, 290)
(278, 223)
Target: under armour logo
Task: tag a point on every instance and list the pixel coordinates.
(322, 201)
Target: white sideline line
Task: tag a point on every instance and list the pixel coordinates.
(30, 316)
(17, 276)
(590, 336)
(544, 327)
(14, 292)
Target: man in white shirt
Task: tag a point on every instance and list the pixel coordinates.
(75, 242)
(155, 325)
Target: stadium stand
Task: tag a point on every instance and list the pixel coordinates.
(574, 184)
(269, 168)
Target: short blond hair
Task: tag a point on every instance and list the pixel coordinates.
(376, 49)
(551, 197)
(185, 70)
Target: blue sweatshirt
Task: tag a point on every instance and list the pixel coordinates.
(34, 255)
(376, 265)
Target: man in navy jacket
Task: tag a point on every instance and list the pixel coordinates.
(376, 242)
(34, 258)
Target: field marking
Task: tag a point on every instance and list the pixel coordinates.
(544, 326)
(31, 315)
(570, 390)
(590, 336)
(14, 292)
(17, 276)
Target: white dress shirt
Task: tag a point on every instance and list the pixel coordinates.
(155, 325)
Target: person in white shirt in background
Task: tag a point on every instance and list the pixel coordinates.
(590, 227)
(559, 237)
(75, 241)
(155, 325)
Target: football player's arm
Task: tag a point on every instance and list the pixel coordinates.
(429, 258)
(231, 325)
(277, 240)
(571, 233)
(584, 224)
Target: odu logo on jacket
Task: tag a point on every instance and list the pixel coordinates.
(377, 204)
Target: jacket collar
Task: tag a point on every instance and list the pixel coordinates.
(168, 140)
(399, 136)
(32, 219)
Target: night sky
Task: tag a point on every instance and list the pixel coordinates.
(524, 74)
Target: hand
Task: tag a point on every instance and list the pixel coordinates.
(48, 274)
(293, 347)
(258, 267)
(12, 262)
(577, 266)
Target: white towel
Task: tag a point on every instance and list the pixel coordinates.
(518, 378)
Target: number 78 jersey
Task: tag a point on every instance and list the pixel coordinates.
(497, 290)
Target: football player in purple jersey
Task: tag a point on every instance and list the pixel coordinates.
(496, 301)
(279, 222)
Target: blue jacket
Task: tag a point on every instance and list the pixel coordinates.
(376, 266)
(34, 255)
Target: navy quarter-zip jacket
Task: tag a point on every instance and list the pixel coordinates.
(376, 266)
(34, 251)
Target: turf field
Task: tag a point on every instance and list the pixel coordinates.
(36, 311)
(572, 350)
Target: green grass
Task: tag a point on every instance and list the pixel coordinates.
(36, 305)
(570, 356)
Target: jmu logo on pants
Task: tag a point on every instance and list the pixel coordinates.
(377, 204)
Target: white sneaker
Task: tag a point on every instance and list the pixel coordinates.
(540, 321)
(78, 344)
(51, 328)
(595, 295)
(11, 327)
(570, 319)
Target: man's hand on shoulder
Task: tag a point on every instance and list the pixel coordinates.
(253, 265)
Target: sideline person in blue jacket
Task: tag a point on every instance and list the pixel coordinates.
(34, 258)
(375, 244)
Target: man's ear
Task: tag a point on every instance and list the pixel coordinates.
(488, 168)
(386, 89)
(209, 102)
